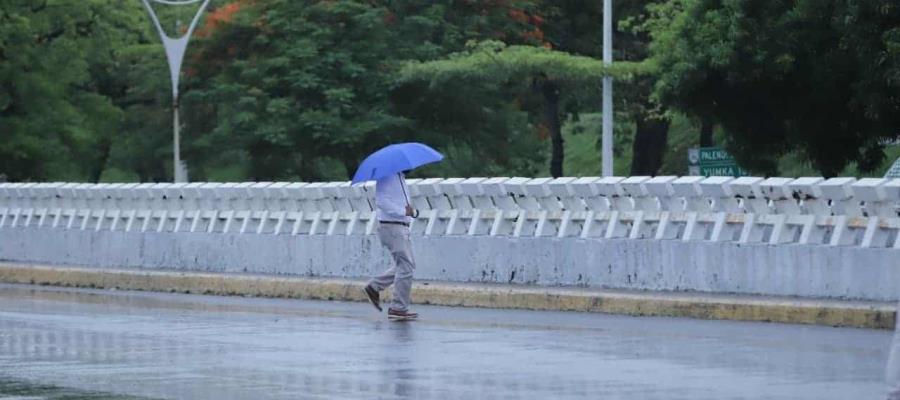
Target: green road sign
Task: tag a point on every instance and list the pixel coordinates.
(712, 161)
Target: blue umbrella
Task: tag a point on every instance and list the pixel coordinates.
(393, 159)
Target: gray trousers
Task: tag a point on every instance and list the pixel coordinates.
(396, 239)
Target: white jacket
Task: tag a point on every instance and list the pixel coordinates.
(391, 199)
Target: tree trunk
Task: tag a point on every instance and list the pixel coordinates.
(96, 170)
(706, 133)
(650, 141)
(550, 91)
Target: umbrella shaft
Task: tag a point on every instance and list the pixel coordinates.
(403, 187)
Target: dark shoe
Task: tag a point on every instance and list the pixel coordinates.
(374, 298)
(401, 315)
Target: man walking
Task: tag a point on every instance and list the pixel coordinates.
(394, 216)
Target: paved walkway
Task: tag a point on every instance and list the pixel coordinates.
(204, 347)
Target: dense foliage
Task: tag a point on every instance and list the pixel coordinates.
(562, 81)
(59, 78)
(303, 89)
(817, 77)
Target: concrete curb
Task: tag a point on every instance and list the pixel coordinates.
(875, 315)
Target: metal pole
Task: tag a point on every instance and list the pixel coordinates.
(178, 175)
(175, 48)
(607, 140)
(178, 172)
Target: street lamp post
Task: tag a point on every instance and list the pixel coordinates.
(607, 139)
(175, 49)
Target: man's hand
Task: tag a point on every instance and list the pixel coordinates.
(411, 212)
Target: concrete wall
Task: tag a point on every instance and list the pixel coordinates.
(790, 270)
(808, 237)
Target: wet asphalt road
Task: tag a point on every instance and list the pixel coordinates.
(202, 347)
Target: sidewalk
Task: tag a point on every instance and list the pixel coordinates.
(874, 315)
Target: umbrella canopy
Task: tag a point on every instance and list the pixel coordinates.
(393, 159)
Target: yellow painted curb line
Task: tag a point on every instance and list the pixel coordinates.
(877, 315)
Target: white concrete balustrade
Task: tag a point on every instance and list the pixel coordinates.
(776, 211)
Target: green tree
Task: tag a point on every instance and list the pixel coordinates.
(58, 117)
(815, 77)
(299, 86)
(575, 26)
(305, 89)
(557, 78)
(483, 130)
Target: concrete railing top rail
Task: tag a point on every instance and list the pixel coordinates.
(807, 210)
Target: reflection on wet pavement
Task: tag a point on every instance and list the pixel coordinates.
(19, 390)
(201, 347)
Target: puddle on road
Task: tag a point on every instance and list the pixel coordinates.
(21, 390)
